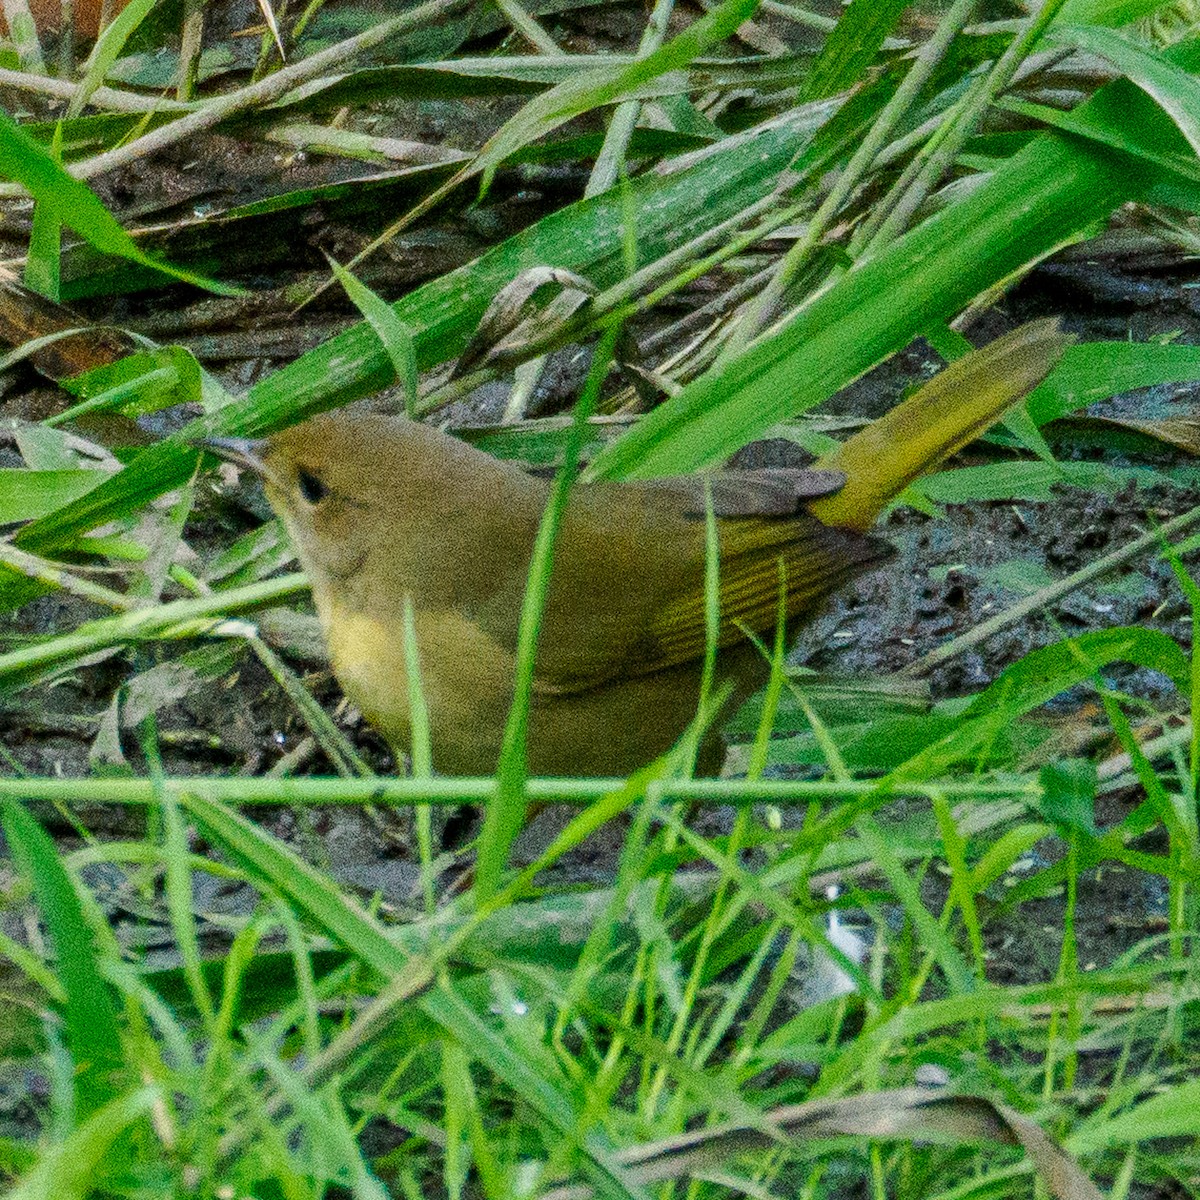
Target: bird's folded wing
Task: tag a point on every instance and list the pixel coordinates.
(636, 629)
(762, 492)
(758, 584)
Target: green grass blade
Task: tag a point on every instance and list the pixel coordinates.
(1168, 1114)
(17, 667)
(107, 49)
(43, 264)
(1048, 194)
(395, 336)
(89, 1014)
(1175, 89)
(851, 47)
(1090, 371)
(26, 495)
(1038, 677)
(71, 202)
(506, 812)
(604, 86)
(72, 1169)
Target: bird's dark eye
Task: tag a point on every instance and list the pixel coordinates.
(311, 488)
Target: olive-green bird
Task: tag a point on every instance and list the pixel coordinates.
(381, 508)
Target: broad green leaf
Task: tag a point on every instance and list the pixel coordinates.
(136, 384)
(1024, 429)
(1177, 159)
(687, 119)
(42, 266)
(157, 69)
(868, 747)
(26, 495)
(837, 700)
(1069, 796)
(1090, 371)
(1021, 481)
(1170, 1113)
(1043, 674)
(1176, 90)
(1114, 13)
(1013, 481)
(46, 449)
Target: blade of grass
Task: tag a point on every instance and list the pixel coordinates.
(23, 30)
(1191, 593)
(502, 820)
(90, 1016)
(107, 49)
(610, 162)
(72, 1169)
(174, 619)
(1038, 677)
(266, 790)
(1175, 89)
(396, 337)
(178, 875)
(73, 204)
(43, 263)
(420, 750)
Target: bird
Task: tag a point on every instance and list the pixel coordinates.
(384, 510)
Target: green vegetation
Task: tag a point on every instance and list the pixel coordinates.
(688, 1010)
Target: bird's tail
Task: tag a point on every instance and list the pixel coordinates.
(953, 408)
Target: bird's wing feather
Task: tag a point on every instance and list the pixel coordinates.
(642, 628)
(812, 563)
(763, 492)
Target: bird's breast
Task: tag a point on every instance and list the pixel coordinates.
(466, 677)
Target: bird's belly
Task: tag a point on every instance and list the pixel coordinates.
(467, 681)
(466, 678)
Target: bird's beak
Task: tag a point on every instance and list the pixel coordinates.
(243, 452)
